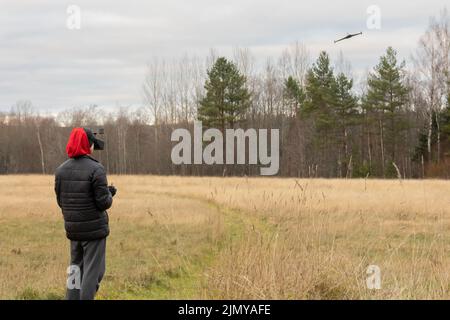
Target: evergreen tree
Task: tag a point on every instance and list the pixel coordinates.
(346, 113)
(320, 85)
(227, 98)
(333, 108)
(422, 148)
(293, 95)
(385, 102)
(346, 103)
(445, 119)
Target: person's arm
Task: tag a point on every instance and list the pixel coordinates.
(103, 198)
(57, 190)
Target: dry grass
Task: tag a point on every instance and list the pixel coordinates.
(239, 238)
(157, 245)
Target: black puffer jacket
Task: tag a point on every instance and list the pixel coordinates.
(82, 193)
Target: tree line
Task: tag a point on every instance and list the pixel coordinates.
(394, 123)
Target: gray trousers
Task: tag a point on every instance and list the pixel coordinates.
(87, 267)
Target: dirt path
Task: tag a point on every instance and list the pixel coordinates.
(236, 222)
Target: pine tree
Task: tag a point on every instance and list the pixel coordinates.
(227, 98)
(346, 113)
(293, 95)
(385, 101)
(346, 103)
(445, 119)
(320, 83)
(332, 106)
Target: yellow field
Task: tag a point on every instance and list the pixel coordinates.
(237, 238)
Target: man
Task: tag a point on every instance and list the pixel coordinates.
(83, 194)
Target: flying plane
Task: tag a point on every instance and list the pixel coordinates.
(348, 36)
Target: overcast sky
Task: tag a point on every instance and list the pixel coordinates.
(104, 62)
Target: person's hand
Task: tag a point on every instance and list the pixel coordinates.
(113, 190)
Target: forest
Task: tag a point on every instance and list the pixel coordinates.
(394, 122)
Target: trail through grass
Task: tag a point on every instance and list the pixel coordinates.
(162, 245)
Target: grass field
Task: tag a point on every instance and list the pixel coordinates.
(238, 238)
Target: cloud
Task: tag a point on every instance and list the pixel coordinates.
(104, 62)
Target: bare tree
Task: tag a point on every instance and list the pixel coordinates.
(153, 88)
(295, 61)
(431, 61)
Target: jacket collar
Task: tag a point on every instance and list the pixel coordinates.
(87, 156)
